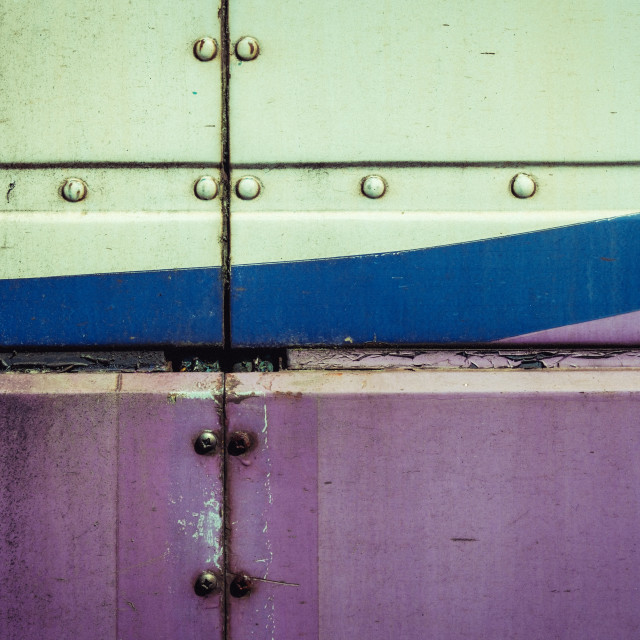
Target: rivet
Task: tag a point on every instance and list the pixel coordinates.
(239, 443)
(74, 190)
(206, 188)
(206, 584)
(248, 188)
(373, 187)
(205, 49)
(523, 186)
(240, 586)
(247, 48)
(205, 443)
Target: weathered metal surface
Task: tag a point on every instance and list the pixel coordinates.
(371, 359)
(375, 81)
(436, 504)
(108, 515)
(136, 262)
(447, 255)
(62, 362)
(115, 82)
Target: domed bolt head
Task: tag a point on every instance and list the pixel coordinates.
(206, 188)
(373, 187)
(239, 443)
(74, 190)
(205, 443)
(206, 584)
(240, 586)
(247, 48)
(205, 49)
(523, 185)
(247, 188)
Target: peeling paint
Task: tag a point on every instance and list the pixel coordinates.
(206, 524)
(204, 394)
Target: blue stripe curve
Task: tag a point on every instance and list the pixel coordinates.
(473, 292)
(176, 307)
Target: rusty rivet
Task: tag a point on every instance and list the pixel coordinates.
(247, 48)
(240, 586)
(239, 443)
(205, 49)
(373, 187)
(523, 185)
(205, 443)
(248, 188)
(206, 584)
(74, 190)
(206, 188)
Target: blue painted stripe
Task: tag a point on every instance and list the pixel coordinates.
(472, 292)
(176, 307)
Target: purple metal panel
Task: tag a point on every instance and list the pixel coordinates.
(458, 504)
(107, 513)
(273, 502)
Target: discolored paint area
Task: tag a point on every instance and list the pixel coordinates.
(107, 514)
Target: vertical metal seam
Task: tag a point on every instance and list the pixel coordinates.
(225, 174)
(225, 180)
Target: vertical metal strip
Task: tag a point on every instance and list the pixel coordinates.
(225, 183)
(225, 173)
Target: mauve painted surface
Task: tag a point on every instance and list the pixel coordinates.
(107, 513)
(273, 502)
(461, 504)
(626, 328)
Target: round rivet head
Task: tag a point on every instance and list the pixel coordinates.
(205, 49)
(205, 443)
(373, 187)
(523, 186)
(247, 48)
(248, 188)
(239, 443)
(206, 188)
(206, 584)
(74, 190)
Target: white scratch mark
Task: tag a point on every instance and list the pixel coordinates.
(269, 604)
(207, 524)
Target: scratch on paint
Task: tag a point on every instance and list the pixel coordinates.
(12, 186)
(206, 524)
(147, 563)
(202, 393)
(269, 604)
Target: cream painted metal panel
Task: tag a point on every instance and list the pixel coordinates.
(117, 81)
(446, 255)
(441, 81)
(136, 262)
(306, 214)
